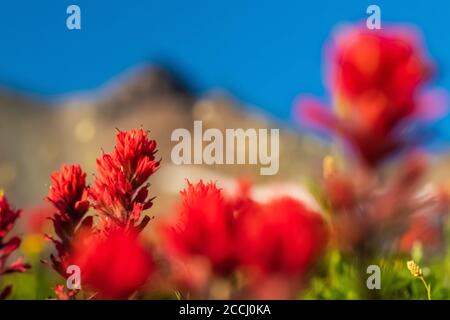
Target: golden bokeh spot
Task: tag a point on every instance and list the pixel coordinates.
(329, 166)
(85, 130)
(33, 244)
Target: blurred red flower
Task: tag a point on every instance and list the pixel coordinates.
(379, 73)
(206, 227)
(118, 192)
(426, 225)
(8, 217)
(279, 237)
(282, 237)
(421, 232)
(376, 79)
(37, 218)
(114, 266)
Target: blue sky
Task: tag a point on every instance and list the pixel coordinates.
(265, 52)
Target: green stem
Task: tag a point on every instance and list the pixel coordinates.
(427, 286)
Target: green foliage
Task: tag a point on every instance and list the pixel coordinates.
(344, 277)
(36, 284)
(336, 279)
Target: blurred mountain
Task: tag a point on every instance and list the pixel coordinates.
(37, 136)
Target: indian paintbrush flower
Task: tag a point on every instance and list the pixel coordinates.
(120, 192)
(280, 238)
(376, 79)
(206, 227)
(111, 260)
(8, 218)
(68, 194)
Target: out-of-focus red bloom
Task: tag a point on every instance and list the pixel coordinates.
(8, 217)
(422, 231)
(376, 78)
(37, 218)
(64, 294)
(282, 237)
(278, 237)
(206, 228)
(426, 226)
(114, 266)
(340, 190)
(373, 213)
(379, 74)
(119, 193)
(69, 196)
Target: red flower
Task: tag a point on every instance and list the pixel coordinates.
(8, 218)
(68, 192)
(119, 193)
(112, 262)
(376, 78)
(69, 196)
(136, 153)
(424, 232)
(426, 226)
(206, 227)
(379, 74)
(282, 237)
(114, 266)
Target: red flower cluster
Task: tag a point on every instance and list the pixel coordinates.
(119, 193)
(281, 237)
(111, 260)
(376, 77)
(8, 218)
